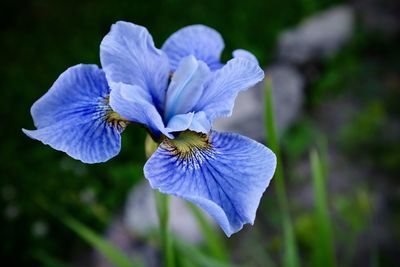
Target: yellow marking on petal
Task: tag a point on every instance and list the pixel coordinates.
(187, 144)
(113, 118)
(116, 120)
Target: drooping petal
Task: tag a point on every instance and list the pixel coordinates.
(136, 105)
(221, 90)
(245, 54)
(186, 86)
(73, 116)
(203, 42)
(225, 175)
(128, 55)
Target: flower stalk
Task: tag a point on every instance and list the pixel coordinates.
(162, 207)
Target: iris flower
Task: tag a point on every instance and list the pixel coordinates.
(176, 92)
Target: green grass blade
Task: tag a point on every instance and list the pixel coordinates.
(324, 247)
(113, 254)
(47, 260)
(197, 257)
(290, 258)
(215, 245)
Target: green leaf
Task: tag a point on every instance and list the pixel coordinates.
(291, 258)
(113, 254)
(324, 249)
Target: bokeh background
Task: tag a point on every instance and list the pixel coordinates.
(336, 89)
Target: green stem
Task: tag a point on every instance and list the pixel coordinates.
(162, 207)
(291, 258)
(162, 204)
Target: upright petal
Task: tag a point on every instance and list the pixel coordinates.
(128, 55)
(136, 105)
(180, 122)
(203, 42)
(186, 86)
(220, 91)
(74, 116)
(245, 54)
(200, 123)
(225, 175)
(196, 122)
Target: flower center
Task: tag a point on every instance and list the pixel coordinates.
(188, 144)
(116, 121)
(113, 118)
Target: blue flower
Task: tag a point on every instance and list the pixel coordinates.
(176, 93)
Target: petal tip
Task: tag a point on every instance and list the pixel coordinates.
(27, 132)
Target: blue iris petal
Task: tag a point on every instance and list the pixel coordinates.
(204, 43)
(136, 105)
(128, 55)
(226, 180)
(196, 122)
(220, 91)
(245, 54)
(186, 86)
(200, 123)
(71, 116)
(180, 122)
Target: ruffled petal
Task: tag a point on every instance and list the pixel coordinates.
(245, 54)
(128, 55)
(73, 116)
(221, 90)
(225, 175)
(186, 86)
(136, 105)
(203, 42)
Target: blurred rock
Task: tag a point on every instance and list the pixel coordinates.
(139, 219)
(120, 236)
(39, 229)
(287, 94)
(379, 15)
(248, 114)
(140, 215)
(11, 212)
(318, 36)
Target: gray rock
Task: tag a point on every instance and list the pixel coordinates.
(248, 114)
(378, 15)
(140, 215)
(287, 94)
(318, 36)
